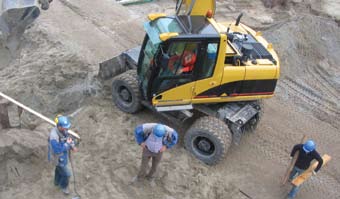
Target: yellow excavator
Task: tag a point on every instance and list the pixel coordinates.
(191, 68)
(15, 17)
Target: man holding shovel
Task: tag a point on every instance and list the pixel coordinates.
(307, 153)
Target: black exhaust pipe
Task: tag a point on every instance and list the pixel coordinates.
(238, 19)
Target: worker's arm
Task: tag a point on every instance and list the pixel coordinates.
(143, 131)
(187, 69)
(73, 146)
(58, 147)
(139, 134)
(174, 61)
(295, 149)
(172, 141)
(319, 159)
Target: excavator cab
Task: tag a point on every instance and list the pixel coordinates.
(16, 16)
(168, 70)
(186, 60)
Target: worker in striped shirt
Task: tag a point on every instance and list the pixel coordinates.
(154, 139)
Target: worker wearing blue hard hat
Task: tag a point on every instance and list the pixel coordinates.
(60, 143)
(154, 139)
(307, 153)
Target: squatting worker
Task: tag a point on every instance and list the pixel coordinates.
(307, 153)
(59, 146)
(154, 139)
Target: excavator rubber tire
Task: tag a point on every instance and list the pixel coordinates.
(252, 124)
(208, 139)
(125, 92)
(45, 4)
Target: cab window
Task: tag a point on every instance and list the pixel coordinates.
(209, 61)
(179, 69)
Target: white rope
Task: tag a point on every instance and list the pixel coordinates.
(35, 113)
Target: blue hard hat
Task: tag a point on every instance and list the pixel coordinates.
(64, 122)
(309, 146)
(159, 130)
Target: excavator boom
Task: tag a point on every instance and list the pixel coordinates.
(195, 7)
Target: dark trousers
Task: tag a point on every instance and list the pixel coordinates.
(61, 176)
(147, 155)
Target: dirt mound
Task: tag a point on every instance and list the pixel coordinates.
(273, 3)
(21, 153)
(46, 76)
(310, 75)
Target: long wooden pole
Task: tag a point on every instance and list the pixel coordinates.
(35, 113)
(292, 162)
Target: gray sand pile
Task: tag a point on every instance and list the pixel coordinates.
(46, 76)
(21, 156)
(310, 72)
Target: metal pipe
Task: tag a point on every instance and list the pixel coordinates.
(178, 6)
(36, 113)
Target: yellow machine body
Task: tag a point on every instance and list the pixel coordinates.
(227, 73)
(199, 7)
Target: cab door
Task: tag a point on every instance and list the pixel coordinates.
(207, 74)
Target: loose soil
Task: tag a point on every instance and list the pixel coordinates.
(55, 72)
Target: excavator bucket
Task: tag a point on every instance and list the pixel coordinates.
(15, 17)
(117, 65)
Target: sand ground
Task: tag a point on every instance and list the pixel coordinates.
(56, 69)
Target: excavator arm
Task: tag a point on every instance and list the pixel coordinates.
(195, 7)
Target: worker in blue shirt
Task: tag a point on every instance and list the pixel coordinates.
(59, 146)
(154, 139)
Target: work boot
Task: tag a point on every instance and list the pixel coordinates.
(152, 182)
(65, 191)
(135, 179)
(151, 179)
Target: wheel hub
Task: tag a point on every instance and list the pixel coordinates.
(125, 94)
(204, 145)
